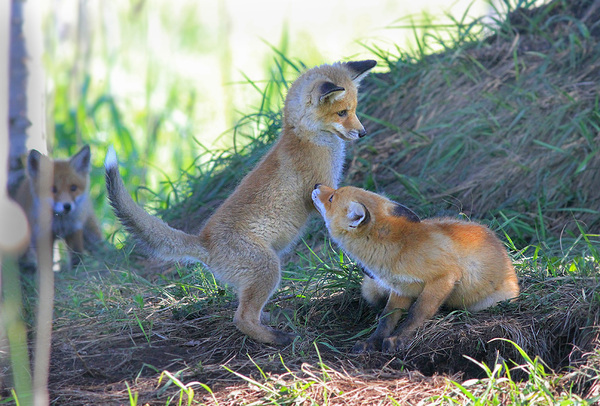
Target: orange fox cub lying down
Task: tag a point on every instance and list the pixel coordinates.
(241, 242)
(431, 262)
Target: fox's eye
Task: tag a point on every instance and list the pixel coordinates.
(342, 113)
(330, 198)
(73, 188)
(54, 189)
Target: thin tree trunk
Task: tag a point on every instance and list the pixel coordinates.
(14, 232)
(17, 109)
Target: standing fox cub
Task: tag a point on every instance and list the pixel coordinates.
(430, 262)
(67, 191)
(242, 241)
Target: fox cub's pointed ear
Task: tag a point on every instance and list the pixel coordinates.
(357, 214)
(360, 69)
(33, 163)
(81, 160)
(330, 91)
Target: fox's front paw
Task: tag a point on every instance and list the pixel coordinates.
(282, 338)
(366, 346)
(394, 344)
(74, 261)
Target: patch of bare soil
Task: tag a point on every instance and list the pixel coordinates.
(91, 363)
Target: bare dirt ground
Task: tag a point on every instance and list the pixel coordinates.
(93, 360)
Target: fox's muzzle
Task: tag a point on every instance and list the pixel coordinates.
(362, 133)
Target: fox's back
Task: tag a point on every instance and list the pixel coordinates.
(451, 240)
(404, 252)
(466, 238)
(478, 255)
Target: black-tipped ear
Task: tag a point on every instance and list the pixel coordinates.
(360, 69)
(403, 211)
(81, 160)
(328, 89)
(33, 163)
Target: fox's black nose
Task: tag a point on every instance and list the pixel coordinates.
(362, 133)
(67, 207)
(317, 185)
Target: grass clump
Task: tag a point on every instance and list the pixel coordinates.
(504, 127)
(499, 387)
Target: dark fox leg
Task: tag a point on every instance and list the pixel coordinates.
(425, 307)
(395, 307)
(75, 245)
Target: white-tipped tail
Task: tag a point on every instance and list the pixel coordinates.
(154, 236)
(111, 159)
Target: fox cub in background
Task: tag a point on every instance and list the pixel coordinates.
(243, 239)
(430, 262)
(62, 186)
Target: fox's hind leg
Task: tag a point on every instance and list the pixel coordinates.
(259, 279)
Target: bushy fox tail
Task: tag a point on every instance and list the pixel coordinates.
(155, 237)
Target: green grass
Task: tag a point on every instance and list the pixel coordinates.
(497, 130)
(499, 388)
(514, 143)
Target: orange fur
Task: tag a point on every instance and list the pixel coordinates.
(242, 241)
(62, 188)
(429, 262)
